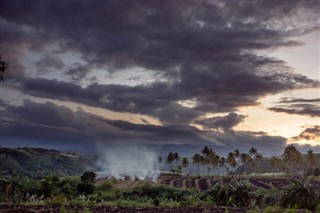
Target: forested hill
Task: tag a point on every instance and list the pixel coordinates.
(39, 162)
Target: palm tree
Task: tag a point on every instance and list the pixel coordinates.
(184, 163)
(245, 158)
(311, 159)
(292, 157)
(231, 160)
(253, 151)
(274, 163)
(258, 157)
(3, 67)
(196, 159)
(214, 161)
(170, 159)
(222, 162)
(206, 152)
(237, 158)
(176, 158)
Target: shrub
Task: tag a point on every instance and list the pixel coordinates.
(88, 177)
(85, 188)
(300, 193)
(107, 185)
(57, 200)
(219, 194)
(239, 193)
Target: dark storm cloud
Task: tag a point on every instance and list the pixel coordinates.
(312, 110)
(31, 124)
(206, 50)
(78, 71)
(298, 100)
(222, 122)
(49, 62)
(198, 37)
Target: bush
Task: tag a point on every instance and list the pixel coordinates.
(239, 193)
(85, 188)
(300, 193)
(162, 191)
(58, 200)
(218, 193)
(107, 185)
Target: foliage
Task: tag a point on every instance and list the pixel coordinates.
(88, 177)
(85, 188)
(162, 191)
(218, 193)
(3, 67)
(299, 193)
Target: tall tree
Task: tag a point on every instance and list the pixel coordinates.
(245, 159)
(231, 160)
(3, 67)
(196, 159)
(222, 163)
(170, 158)
(276, 164)
(292, 157)
(173, 157)
(311, 160)
(253, 151)
(258, 157)
(184, 164)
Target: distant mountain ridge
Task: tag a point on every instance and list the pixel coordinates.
(39, 162)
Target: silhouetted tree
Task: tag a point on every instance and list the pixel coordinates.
(3, 67)
(311, 160)
(184, 163)
(88, 177)
(292, 157)
(245, 159)
(231, 160)
(196, 159)
(276, 164)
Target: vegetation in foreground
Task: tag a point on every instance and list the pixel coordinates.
(52, 191)
(301, 192)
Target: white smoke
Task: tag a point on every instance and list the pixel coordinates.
(133, 161)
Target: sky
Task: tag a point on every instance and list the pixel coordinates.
(173, 74)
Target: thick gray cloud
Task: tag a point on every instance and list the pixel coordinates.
(207, 52)
(48, 62)
(298, 100)
(222, 122)
(58, 126)
(308, 107)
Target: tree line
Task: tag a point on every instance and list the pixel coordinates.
(291, 162)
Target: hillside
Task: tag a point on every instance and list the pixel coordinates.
(39, 162)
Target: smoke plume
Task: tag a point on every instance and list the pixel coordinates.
(133, 161)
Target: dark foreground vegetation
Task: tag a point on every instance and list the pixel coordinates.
(295, 189)
(227, 194)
